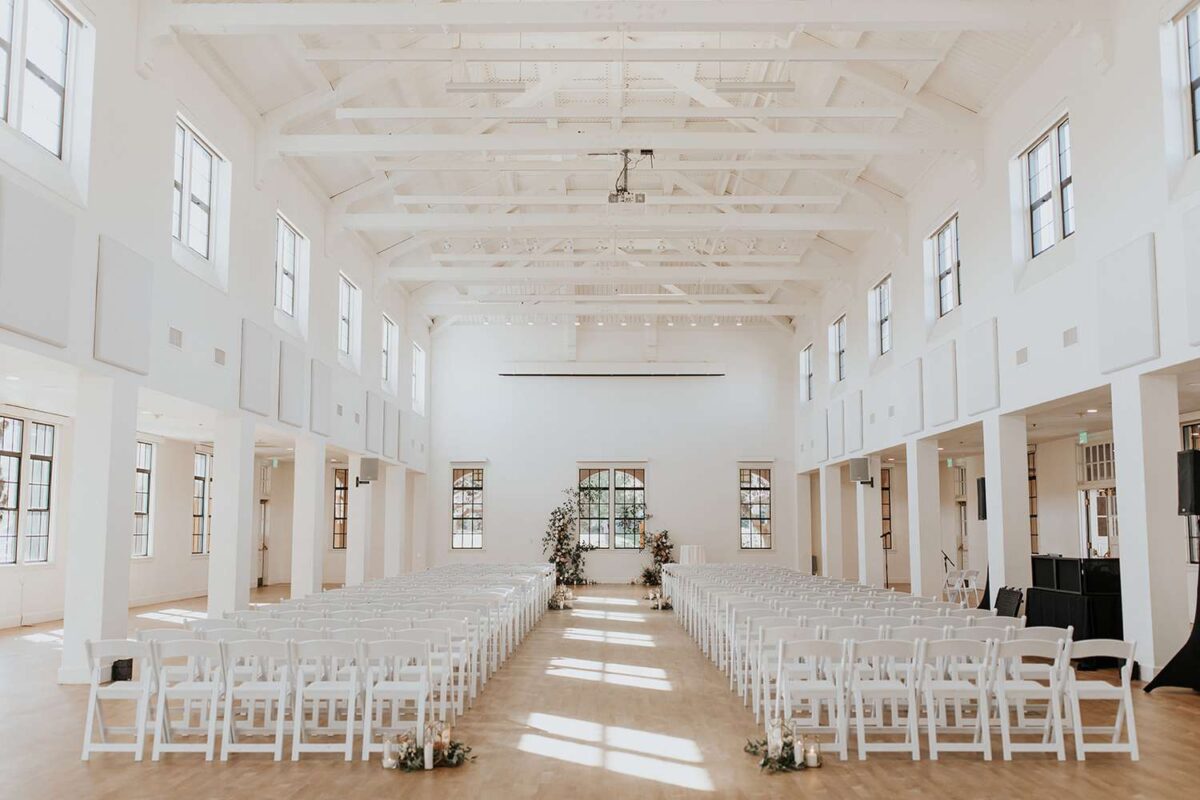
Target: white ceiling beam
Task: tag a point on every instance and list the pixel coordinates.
(384, 144)
(623, 224)
(600, 198)
(604, 276)
(622, 297)
(581, 165)
(607, 258)
(596, 55)
(568, 308)
(626, 114)
(241, 18)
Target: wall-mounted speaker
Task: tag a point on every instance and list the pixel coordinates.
(860, 470)
(1189, 482)
(981, 491)
(368, 470)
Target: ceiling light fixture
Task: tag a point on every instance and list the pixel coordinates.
(1093, 411)
(753, 86)
(470, 87)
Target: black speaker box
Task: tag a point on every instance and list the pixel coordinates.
(1189, 482)
(981, 488)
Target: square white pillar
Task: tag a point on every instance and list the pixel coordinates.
(395, 519)
(831, 521)
(230, 560)
(99, 529)
(868, 500)
(804, 501)
(358, 525)
(924, 517)
(1151, 544)
(1006, 469)
(308, 516)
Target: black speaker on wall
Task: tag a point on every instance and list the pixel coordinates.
(1189, 482)
(981, 489)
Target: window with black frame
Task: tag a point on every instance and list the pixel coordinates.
(1191, 28)
(141, 499)
(595, 496)
(629, 508)
(341, 489)
(885, 504)
(466, 513)
(1191, 441)
(201, 502)
(12, 432)
(1033, 502)
(754, 485)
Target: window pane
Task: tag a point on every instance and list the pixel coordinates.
(200, 202)
(1067, 188)
(6, 23)
(1041, 199)
(44, 95)
(755, 490)
(466, 521)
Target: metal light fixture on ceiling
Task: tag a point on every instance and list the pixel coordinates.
(484, 87)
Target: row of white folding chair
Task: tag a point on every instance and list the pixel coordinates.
(828, 674)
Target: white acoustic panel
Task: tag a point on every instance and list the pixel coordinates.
(124, 295)
(1191, 271)
(374, 422)
(981, 368)
(391, 430)
(820, 436)
(320, 398)
(941, 384)
(37, 248)
(909, 409)
(837, 428)
(1127, 306)
(258, 350)
(854, 422)
(293, 386)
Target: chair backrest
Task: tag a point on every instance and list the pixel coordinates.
(348, 615)
(890, 649)
(975, 612)
(826, 622)
(266, 654)
(298, 614)
(383, 624)
(952, 621)
(297, 634)
(165, 634)
(1047, 632)
(1016, 649)
(206, 624)
(1107, 648)
(273, 624)
(819, 655)
(923, 613)
(202, 655)
(355, 634)
(881, 621)
(99, 649)
(249, 616)
(438, 639)
(231, 634)
(788, 633)
(394, 654)
(850, 633)
(758, 623)
(331, 653)
(912, 633)
(995, 623)
(960, 649)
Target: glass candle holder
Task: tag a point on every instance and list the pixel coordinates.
(390, 760)
(812, 752)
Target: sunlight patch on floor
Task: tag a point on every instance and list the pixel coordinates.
(625, 751)
(607, 601)
(617, 616)
(609, 637)
(54, 637)
(178, 616)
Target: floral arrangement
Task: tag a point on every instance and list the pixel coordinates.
(660, 545)
(440, 750)
(777, 752)
(562, 544)
(562, 598)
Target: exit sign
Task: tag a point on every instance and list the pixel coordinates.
(1083, 437)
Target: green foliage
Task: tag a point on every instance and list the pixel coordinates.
(561, 541)
(784, 762)
(660, 553)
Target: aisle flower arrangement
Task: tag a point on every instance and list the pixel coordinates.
(561, 542)
(440, 750)
(660, 545)
(776, 752)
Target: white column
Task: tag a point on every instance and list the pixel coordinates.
(1006, 469)
(924, 517)
(868, 500)
(358, 525)
(230, 561)
(804, 501)
(395, 519)
(99, 519)
(308, 516)
(1151, 543)
(831, 521)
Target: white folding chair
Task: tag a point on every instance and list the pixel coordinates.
(100, 655)
(1011, 688)
(1080, 690)
(397, 675)
(440, 692)
(884, 673)
(198, 684)
(957, 671)
(811, 674)
(256, 670)
(326, 671)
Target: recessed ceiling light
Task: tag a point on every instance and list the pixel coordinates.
(600, 323)
(1093, 411)
(508, 322)
(529, 323)
(738, 323)
(940, 449)
(716, 324)
(623, 323)
(12, 378)
(646, 324)
(554, 322)
(670, 323)
(693, 324)
(577, 323)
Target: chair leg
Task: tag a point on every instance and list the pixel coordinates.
(858, 725)
(1127, 702)
(350, 722)
(280, 705)
(1005, 726)
(211, 707)
(914, 734)
(297, 724)
(1055, 711)
(162, 724)
(931, 725)
(227, 727)
(368, 715)
(140, 726)
(1077, 724)
(89, 724)
(984, 714)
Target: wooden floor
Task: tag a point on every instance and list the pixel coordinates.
(609, 700)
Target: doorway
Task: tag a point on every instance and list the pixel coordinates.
(264, 526)
(1099, 535)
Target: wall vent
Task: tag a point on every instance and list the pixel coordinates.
(175, 337)
(1023, 356)
(871, 418)
(1070, 337)
(356, 418)
(339, 409)
(891, 411)
(219, 356)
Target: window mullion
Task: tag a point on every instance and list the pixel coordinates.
(16, 65)
(185, 188)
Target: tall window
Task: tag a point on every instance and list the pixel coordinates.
(754, 485)
(881, 302)
(595, 507)
(12, 433)
(466, 508)
(389, 356)
(629, 508)
(201, 503)
(1033, 502)
(885, 504)
(418, 379)
(41, 469)
(141, 499)
(837, 349)
(194, 191)
(1192, 41)
(1191, 441)
(347, 308)
(287, 258)
(1048, 175)
(341, 489)
(806, 373)
(33, 97)
(945, 261)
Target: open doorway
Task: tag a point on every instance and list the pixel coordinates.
(1098, 519)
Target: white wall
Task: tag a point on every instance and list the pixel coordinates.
(532, 432)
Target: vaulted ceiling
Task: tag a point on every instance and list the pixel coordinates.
(473, 145)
